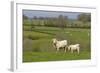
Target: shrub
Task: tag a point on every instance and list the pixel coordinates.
(37, 49)
(32, 37)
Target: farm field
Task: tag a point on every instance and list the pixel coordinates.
(37, 43)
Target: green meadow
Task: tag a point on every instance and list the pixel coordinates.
(38, 46)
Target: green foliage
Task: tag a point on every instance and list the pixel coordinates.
(27, 22)
(36, 49)
(84, 17)
(62, 21)
(78, 24)
(31, 37)
(55, 23)
(25, 17)
(83, 21)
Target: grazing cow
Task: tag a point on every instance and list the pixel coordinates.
(74, 47)
(60, 44)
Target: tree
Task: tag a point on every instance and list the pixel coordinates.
(89, 17)
(84, 17)
(25, 17)
(35, 17)
(25, 20)
(62, 21)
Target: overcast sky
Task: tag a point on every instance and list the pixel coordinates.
(32, 13)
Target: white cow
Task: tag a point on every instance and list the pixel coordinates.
(60, 44)
(74, 47)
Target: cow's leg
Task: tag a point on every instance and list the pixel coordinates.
(71, 50)
(57, 49)
(78, 51)
(65, 48)
(68, 48)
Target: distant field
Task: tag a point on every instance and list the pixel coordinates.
(37, 43)
(71, 23)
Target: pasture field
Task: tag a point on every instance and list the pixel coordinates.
(37, 43)
(52, 56)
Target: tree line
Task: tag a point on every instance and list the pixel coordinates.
(83, 20)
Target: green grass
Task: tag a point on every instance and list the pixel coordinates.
(37, 43)
(53, 56)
